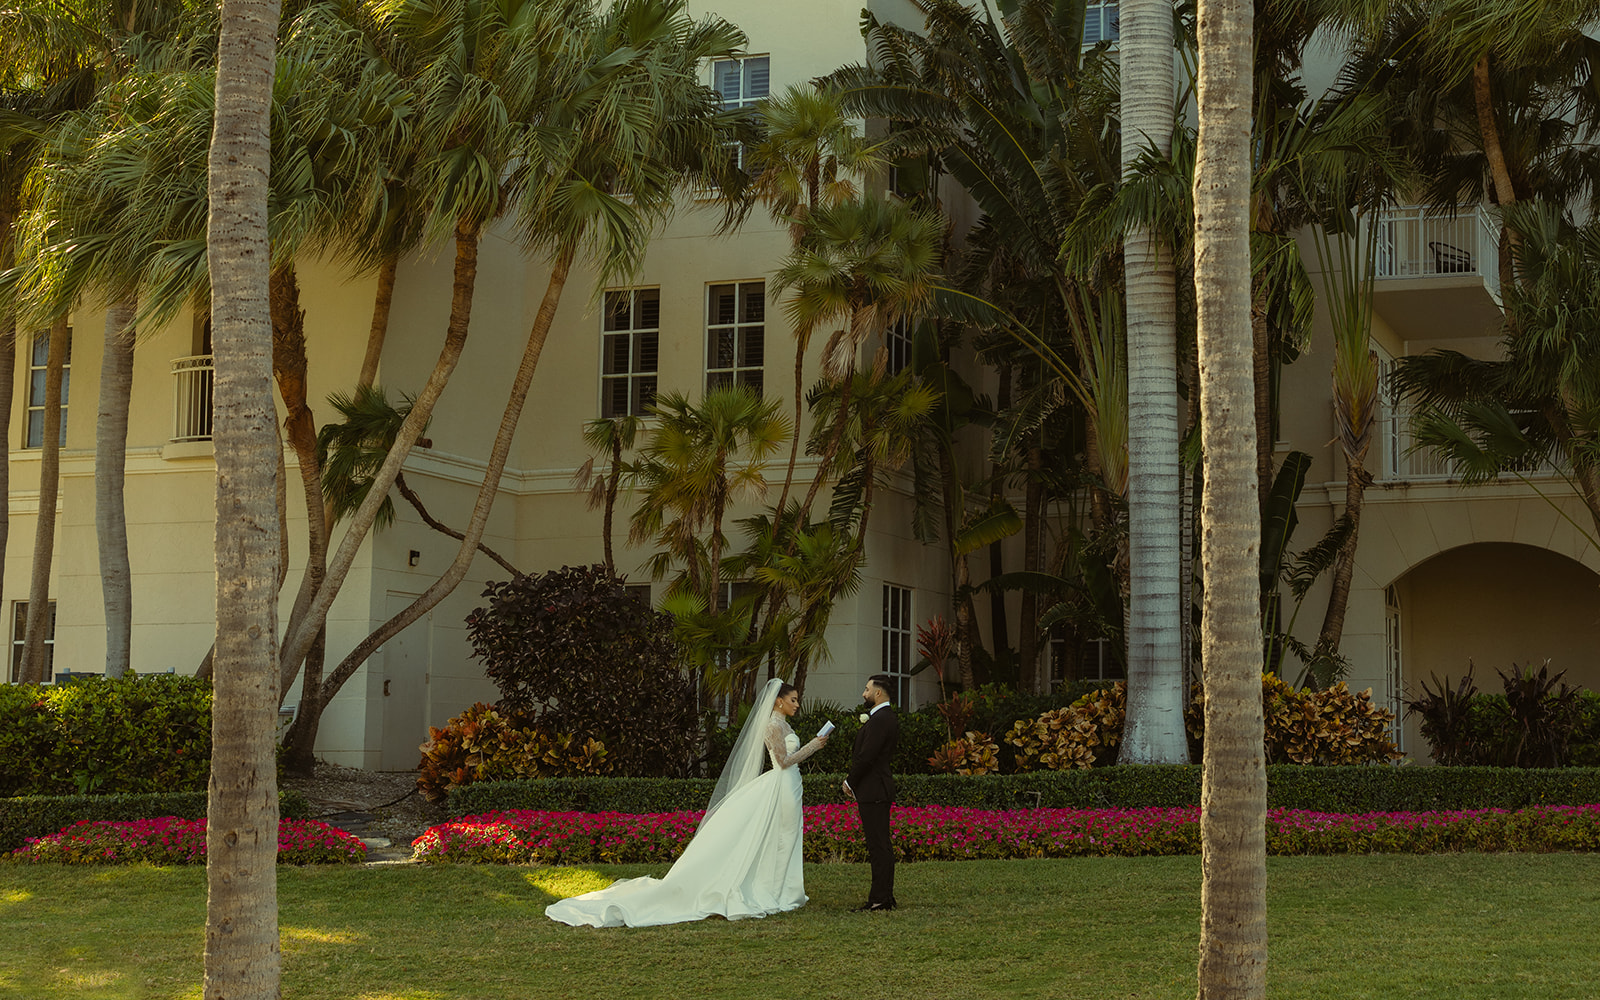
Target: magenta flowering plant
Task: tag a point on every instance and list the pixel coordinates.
(169, 840)
(946, 833)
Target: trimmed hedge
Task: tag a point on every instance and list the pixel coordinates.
(42, 815)
(133, 734)
(1354, 789)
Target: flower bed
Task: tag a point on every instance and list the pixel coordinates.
(170, 840)
(939, 833)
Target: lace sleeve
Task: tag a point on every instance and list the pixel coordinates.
(779, 752)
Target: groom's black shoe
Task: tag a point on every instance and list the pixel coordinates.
(875, 907)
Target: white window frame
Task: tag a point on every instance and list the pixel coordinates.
(1100, 22)
(736, 349)
(752, 86)
(897, 342)
(639, 373)
(19, 625)
(898, 641)
(38, 368)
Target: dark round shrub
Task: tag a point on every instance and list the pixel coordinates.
(574, 653)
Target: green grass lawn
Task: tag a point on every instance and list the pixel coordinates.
(1442, 926)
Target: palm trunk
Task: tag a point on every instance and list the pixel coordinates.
(1030, 668)
(8, 380)
(1505, 193)
(44, 535)
(301, 634)
(381, 301)
(1233, 897)
(831, 452)
(110, 461)
(613, 483)
(1262, 378)
(1356, 481)
(1154, 730)
(457, 570)
(998, 620)
(242, 958)
(289, 370)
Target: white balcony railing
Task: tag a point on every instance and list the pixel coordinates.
(1403, 462)
(191, 398)
(1414, 242)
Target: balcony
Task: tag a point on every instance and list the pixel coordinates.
(1438, 276)
(1398, 460)
(191, 399)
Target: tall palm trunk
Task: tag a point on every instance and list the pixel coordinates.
(289, 371)
(381, 301)
(242, 960)
(44, 535)
(8, 379)
(1154, 731)
(1357, 478)
(1233, 898)
(1032, 668)
(110, 461)
(300, 634)
(453, 575)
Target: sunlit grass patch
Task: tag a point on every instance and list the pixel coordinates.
(96, 979)
(297, 938)
(560, 883)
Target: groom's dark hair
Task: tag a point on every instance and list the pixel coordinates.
(884, 683)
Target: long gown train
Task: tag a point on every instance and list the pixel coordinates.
(746, 860)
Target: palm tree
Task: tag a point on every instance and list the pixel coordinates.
(241, 955)
(809, 155)
(863, 263)
(44, 536)
(608, 436)
(616, 123)
(1154, 731)
(1233, 930)
(698, 460)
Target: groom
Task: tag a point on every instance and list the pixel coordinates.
(872, 786)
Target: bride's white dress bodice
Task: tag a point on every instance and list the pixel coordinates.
(744, 861)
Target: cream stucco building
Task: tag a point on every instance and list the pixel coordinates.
(1496, 574)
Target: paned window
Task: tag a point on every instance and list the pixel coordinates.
(897, 661)
(19, 629)
(742, 83)
(1100, 22)
(38, 372)
(630, 345)
(897, 344)
(736, 316)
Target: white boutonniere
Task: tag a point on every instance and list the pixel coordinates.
(865, 716)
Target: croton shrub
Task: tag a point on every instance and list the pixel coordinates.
(1332, 726)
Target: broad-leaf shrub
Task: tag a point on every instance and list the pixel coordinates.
(941, 833)
(173, 840)
(1330, 727)
(573, 653)
(1538, 721)
(133, 734)
(480, 744)
(974, 753)
(1070, 737)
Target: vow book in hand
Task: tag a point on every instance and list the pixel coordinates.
(827, 727)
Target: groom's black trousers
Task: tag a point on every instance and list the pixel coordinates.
(875, 830)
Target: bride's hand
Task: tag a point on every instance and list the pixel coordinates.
(822, 740)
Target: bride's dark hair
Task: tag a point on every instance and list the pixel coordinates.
(784, 689)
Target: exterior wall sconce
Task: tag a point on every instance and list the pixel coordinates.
(411, 560)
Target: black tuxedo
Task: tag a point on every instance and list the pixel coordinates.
(874, 790)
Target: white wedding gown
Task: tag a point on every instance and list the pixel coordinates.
(745, 861)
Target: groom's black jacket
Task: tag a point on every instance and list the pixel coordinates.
(870, 779)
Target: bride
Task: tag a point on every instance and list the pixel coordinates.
(745, 858)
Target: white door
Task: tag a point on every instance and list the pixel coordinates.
(405, 689)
